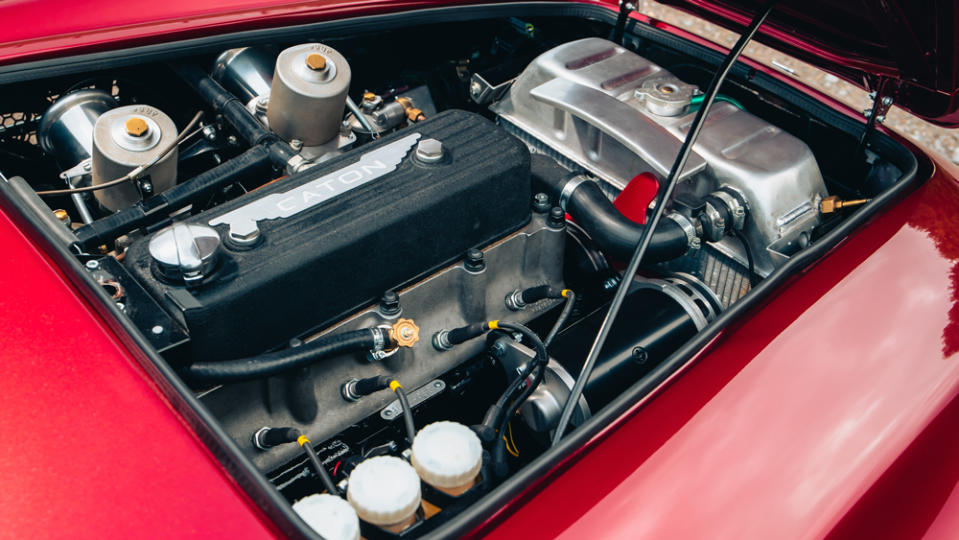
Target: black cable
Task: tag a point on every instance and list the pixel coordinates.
(749, 256)
(267, 438)
(407, 411)
(318, 467)
(265, 365)
(666, 193)
(494, 416)
(563, 317)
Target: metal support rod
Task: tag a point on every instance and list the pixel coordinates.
(643, 244)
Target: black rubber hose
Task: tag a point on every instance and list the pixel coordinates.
(235, 112)
(494, 415)
(563, 317)
(254, 164)
(320, 469)
(265, 365)
(542, 292)
(225, 103)
(614, 233)
(407, 413)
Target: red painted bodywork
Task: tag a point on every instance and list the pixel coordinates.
(831, 411)
(91, 449)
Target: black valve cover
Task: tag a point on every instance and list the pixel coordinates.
(333, 238)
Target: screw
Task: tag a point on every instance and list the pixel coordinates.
(429, 151)
(390, 303)
(640, 356)
(262, 103)
(541, 203)
(93, 265)
(437, 384)
(887, 101)
(231, 140)
(388, 412)
(209, 132)
(474, 261)
(296, 144)
(87, 166)
(245, 239)
(610, 283)
(498, 349)
(476, 89)
(557, 218)
(157, 330)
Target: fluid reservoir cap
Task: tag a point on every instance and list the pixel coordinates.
(316, 61)
(384, 490)
(186, 253)
(447, 455)
(330, 516)
(137, 126)
(135, 133)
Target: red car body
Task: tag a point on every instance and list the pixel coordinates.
(830, 411)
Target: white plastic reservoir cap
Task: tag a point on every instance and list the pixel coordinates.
(330, 516)
(384, 490)
(447, 455)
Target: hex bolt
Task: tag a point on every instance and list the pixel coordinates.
(557, 218)
(429, 151)
(541, 203)
(474, 260)
(389, 303)
(296, 144)
(476, 89)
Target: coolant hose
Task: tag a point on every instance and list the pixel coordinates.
(274, 363)
(614, 233)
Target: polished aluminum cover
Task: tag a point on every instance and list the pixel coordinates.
(588, 101)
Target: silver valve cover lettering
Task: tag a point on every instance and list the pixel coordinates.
(371, 165)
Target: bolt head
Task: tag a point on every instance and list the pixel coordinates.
(474, 260)
(541, 203)
(429, 150)
(475, 89)
(93, 265)
(887, 101)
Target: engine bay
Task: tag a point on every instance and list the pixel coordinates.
(381, 268)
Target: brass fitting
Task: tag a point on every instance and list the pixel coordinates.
(404, 333)
(833, 203)
(412, 113)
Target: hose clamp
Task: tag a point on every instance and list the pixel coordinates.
(568, 190)
(736, 210)
(692, 239)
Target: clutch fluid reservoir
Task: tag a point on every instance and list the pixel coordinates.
(308, 93)
(125, 138)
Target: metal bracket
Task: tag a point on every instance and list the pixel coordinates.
(433, 388)
(880, 107)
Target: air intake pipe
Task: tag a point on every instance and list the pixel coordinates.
(614, 233)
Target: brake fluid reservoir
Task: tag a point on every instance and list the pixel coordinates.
(330, 516)
(447, 456)
(308, 93)
(385, 491)
(125, 138)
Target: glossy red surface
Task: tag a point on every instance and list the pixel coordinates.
(832, 413)
(813, 419)
(36, 30)
(90, 449)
